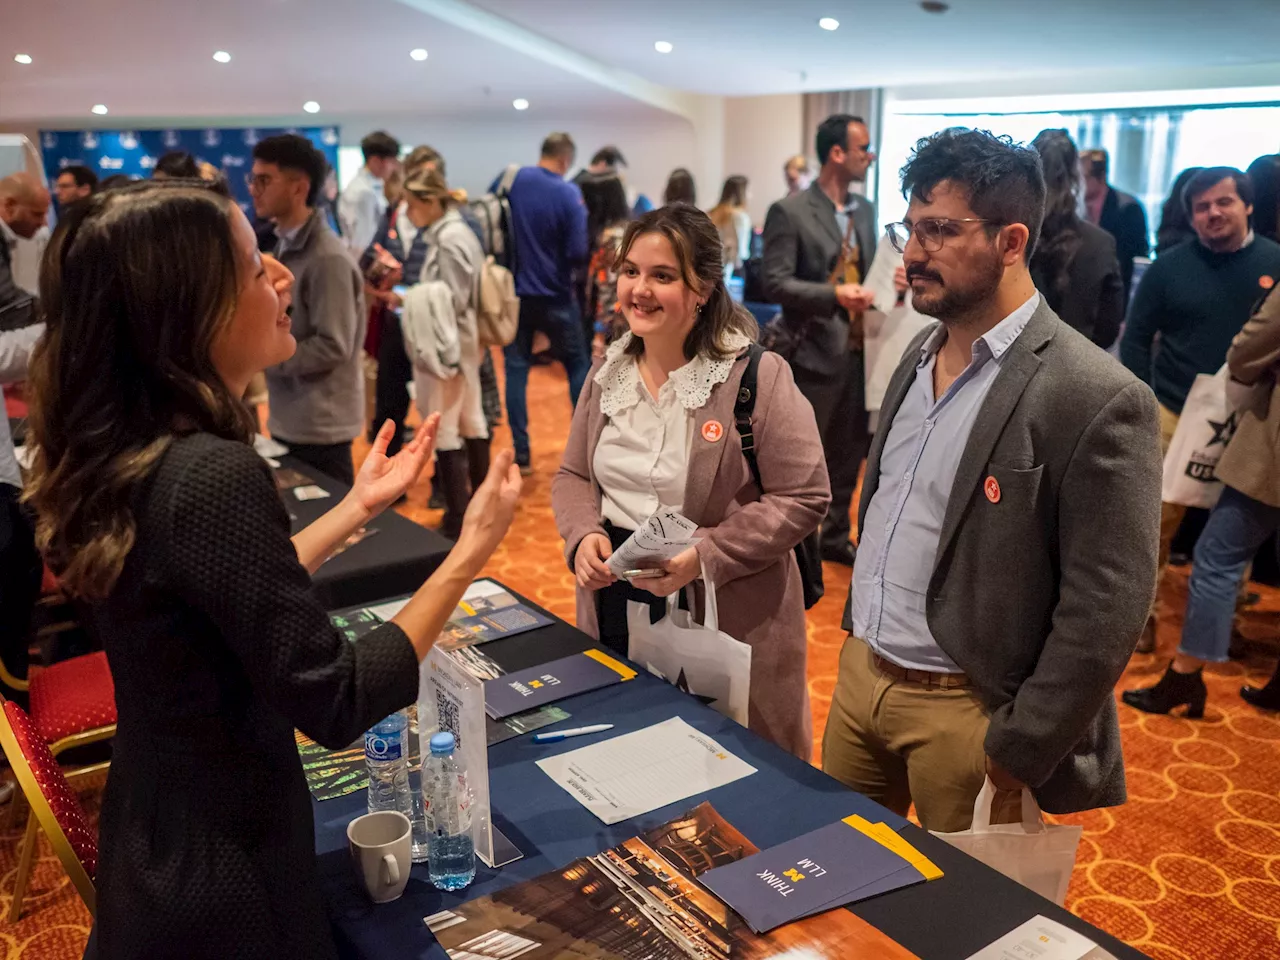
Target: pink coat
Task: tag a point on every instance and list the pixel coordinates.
(747, 539)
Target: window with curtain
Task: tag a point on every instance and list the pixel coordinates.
(1148, 147)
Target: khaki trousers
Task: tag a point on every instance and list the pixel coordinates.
(896, 742)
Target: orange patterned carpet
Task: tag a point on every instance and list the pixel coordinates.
(1188, 869)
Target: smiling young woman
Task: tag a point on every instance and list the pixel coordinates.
(653, 430)
(166, 527)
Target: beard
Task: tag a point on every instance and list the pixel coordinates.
(954, 302)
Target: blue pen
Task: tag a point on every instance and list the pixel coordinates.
(559, 735)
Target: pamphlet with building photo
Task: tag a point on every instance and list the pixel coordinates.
(642, 899)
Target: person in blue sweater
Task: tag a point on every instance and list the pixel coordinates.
(549, 222)
(1196, 298)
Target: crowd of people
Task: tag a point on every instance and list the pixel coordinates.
(1011, 530)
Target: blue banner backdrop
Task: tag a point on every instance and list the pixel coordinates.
(135, 152)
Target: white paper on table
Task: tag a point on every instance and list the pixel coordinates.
(1041, 939)
(636, 773)
(879, 278)
(663, 536)
(311, 492)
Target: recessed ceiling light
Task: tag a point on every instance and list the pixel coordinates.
(829, 23)
(22, 58)
(100, 109)
(311, 106)
(520, 103)
(418, 54)
(222, 56)
(663, 46)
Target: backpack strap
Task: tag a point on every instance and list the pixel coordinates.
(745, 407)
(508, 178)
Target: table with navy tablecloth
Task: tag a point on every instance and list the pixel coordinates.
(395, 558)
(946, 919)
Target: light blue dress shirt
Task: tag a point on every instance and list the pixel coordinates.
(898, 543)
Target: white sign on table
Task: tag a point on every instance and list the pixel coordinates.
(1042, 939)
(452, 701)
(626, 776)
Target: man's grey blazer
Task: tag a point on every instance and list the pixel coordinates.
(1040, 593)
(801, 247)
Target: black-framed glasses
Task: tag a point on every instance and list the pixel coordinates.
(258, 181)
(931, 233)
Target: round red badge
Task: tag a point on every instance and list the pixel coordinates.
(712, 431)
(1265, 282)
(992, 489)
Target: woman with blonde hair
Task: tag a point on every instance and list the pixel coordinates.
(452, 388)
(734, 223)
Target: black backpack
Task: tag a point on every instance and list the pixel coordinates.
(808, 556)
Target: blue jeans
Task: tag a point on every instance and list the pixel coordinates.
(559, 320)
(1237, 528)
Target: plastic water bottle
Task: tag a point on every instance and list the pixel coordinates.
(451, 860)
(386, 754)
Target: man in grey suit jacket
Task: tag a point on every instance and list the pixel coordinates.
(804, 236)
(1009, 522)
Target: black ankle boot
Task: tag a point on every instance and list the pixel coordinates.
(451, 480)
(1266, 698)
(1173, 690)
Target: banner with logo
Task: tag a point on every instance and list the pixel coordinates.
(135, 152)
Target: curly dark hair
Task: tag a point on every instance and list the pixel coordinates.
(1004, 181)
(134, 286)
(697, 246)
(1060, 237)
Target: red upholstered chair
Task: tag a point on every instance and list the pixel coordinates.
(54, 807)
(73, 703)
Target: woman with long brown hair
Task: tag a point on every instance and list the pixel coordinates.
(165, 526)
(1074, 265)
(654, 428)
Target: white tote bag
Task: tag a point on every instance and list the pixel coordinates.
(1038, 855)
(1204, 429)
(697, 658)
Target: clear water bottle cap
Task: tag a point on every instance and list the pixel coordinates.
(441, 744)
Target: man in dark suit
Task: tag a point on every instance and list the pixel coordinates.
(818, 245)
(1118, 213)
(1009, 522)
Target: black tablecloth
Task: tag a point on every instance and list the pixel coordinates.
(947, 919)
(394, 560)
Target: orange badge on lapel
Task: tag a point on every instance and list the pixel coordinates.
(712, 431)
(1265, 282)
(992, 489)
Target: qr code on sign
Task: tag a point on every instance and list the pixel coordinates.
(447, 713)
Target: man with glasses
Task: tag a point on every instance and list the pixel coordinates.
(818, 244)
(317, 395)
(1009, 522)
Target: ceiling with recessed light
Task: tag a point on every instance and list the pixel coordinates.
(354, 56)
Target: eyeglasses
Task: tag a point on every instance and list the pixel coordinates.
(931, 233)
(258, 181)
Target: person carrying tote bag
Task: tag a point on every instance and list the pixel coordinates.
(654, 428)
(700, 659)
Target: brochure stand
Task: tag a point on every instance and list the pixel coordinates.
(451, 700)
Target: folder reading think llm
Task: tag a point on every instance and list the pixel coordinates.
(833, 866)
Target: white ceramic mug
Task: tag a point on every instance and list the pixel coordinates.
(382, 851)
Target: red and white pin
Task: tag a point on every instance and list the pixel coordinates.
(992, 489)
(712, 431)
